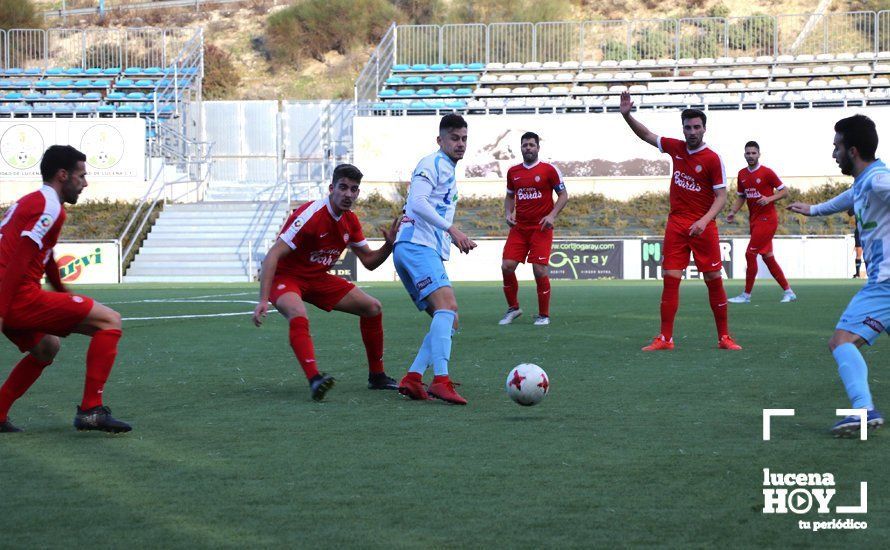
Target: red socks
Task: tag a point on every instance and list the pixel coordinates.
(543, 295)
(670, 301)
(22, 377)
(372, 336)
(776, 271)
(511, 288)
(100, 359)
(301, 342)
(717, 297)
(750, 271)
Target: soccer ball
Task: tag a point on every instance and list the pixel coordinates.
(527, 384)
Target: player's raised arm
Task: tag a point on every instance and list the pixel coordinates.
(638, 128)
(372, 259)
(840, 203)
(267, 274)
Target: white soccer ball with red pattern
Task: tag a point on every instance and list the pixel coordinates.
(527, 384)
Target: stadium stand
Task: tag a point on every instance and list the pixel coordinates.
(801, 61)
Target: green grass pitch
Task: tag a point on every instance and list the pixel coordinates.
(628, 449)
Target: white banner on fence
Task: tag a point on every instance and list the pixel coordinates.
(88, 262)
(794, 142)
(115, 148)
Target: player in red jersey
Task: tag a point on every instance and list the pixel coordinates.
(530, 213)
(295, 271)
(34, 319)
(698, 194)
(761, 188)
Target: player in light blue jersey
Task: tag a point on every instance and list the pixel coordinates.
(422, 245)
(868, 314)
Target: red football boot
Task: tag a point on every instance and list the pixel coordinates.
(726, 342)
(412, 387)
(444, 390)
(660, 344)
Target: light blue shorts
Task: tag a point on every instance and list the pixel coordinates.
(868, 314)
(421, 270)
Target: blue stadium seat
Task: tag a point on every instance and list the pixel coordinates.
(425, 92)
(136, 96)
(417, 105)
(133, 70)
(33, 71)
(111, 71)
(397, 105)
(72, 96)
(62, 83)
(456, 104)
(124, 83)
(457, 66)
(389, 92)
(450, 79)
(405, 92)
(85, 109)
(445, 91)
(116, 95)
(83, 83)
(41, 109)
(420, 67)
(73, 72)
(19, 83)
(401, 67)
(101, 83)
(54, 71)
(92, 95)
(125, 108)
(31, 96)
(395, 80)
(13, 96)
(15, 71)
(380, 106)
(463, 91)
(153, 71)
(163, 83)
(413, 80)
(438, 67)
(93, 71)
(5, 109)
(144, 83)
(469, 78)
(22, 108)
(476, 67)
(52, 96)
(432, 79)
(105, 109)
(43, 84)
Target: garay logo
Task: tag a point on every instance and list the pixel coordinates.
(71, 267)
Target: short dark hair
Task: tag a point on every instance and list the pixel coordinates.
(530, 135)
(59, 157)
(753, 144)
(694, 113)
(859, 131)
(452, 122)
(346, 171)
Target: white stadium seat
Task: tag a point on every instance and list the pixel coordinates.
(716, 86)
(570, 65)
(648, 63)
(865, 55)
(695, 87)
(494, 66)
(837, 83)
(685, 61)
(883, 55)
(862, 69)
(538, 90)
(476, 104)
(608, 63)
(531, 65)
(501, 91)
(585, 76)
(741, 73)
(822, 69)
(563, 77)
(623, 76)
(666, 62)
(817, 83)
(642, 75)
(603, 76)
(513, 66)
(763, 72)
(705, 61)
(805, 58)
(812, 95)
(800, 70)
(551, 65)
(590, 64)
(756, 85)
(521, 90)
(483, 91)
(593, 101)
(554, 102)
(580, 89)
(841, 69)
(880, 81)
(546, 77)
(797, 84)
(724, 60)
(701, 74)
(777, 84)
(559, 90)
(744, 59)
(785, 58)
(612, 101)
(525, 77)
(488, 78)
(618, 88)
(598, 89)
(764, 59)
(736, 86)
(825, 57)
(516, 102)
(854, 94)
(793, 96)
(721, 73)
(882, 68)
(627, 63)
(636, 88)
(573, 102)
(846, 56)
(507, 78)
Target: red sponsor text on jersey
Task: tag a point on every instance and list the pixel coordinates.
(694, 177)
(532, 188)
(317, 238)
(754, 185)
(38, 216)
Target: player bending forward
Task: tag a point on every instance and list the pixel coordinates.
(295, 271)
(868, 313)
(762, 188)
(698, 194)
(422, 246)
(530, 213)
(34, 319)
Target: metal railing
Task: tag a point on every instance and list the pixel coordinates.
(117, 6)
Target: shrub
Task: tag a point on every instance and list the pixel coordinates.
(18, 14)
(221, 79)
(314, 27)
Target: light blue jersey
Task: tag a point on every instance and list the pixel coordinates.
(870, 199)
(432, 199)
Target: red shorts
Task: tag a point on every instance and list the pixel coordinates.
(529, 243)
(678, 244)
(34, 314)
(323, 291)
(763, 230)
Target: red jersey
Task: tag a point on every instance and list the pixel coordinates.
(317, 238)
(533, 187)
(38, 216)
(757, 183)
(695, 176)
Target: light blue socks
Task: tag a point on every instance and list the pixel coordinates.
(854, 373)
(440, 340)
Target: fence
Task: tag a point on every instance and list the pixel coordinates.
(85, 48)
(862, 31)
